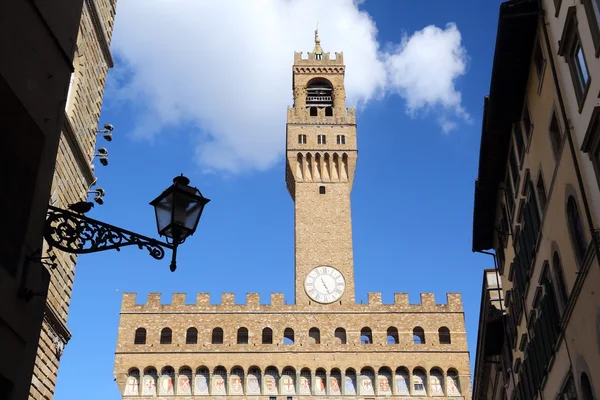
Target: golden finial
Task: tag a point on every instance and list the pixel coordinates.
(317, 40)
(318, 50)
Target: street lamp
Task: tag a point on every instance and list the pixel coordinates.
(178, 210)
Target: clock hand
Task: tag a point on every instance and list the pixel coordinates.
(325, 286)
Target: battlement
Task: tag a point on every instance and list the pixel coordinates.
(178, 304)
(311, 59)
(301, 115)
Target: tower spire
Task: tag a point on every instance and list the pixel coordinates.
(318, 50)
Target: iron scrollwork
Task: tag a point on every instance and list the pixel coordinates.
(76, 233)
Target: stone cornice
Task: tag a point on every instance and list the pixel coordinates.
(100, 33)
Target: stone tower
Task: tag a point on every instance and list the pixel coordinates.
(321, 157)
(325, 345)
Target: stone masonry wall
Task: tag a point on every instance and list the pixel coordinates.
(72, 179)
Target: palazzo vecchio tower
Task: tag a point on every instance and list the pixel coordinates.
(324, 345)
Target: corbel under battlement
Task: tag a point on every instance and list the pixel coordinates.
(277, 303)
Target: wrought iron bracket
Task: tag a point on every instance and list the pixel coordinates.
(78, 234)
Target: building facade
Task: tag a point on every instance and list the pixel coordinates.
(536, 206)
(73, 177)
(37, 44)
(324, 345)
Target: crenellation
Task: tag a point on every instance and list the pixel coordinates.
(153, 301)
(227, 299)
(297, 115)
(253, 300)
(277, 299)
(178, 300)
(311, 59)
(203, 299)
(428, 300)
(374, 298)
(401, 300)
(454, 301)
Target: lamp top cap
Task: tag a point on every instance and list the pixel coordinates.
(182, 180)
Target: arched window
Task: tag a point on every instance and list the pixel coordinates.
(452, 383)
(253, 381)
(305, 382)
(167, 378)
(419, 382)
(313, 111)
(217, 336)
(436, 382)
(271, 383)
(132, 384)
(366, 381)
(319, 93)
(219, 381)
(184, 381)
(140, 336)
(149, 382)
(444, 335)
(236, 381)
(559, 279)
(202, 381)
(267, 336)
(315, 336)
(350, 382)
(242, 336)
(366, 336)
(335, 382)
(418, 335)
(384, 381)
(576, 229)
(287, 384)
(320, 382)
(166, 336)
(392, 335)
(191, 336)
(329, 111)
(340, 336)
(586, 388)
(288, 336)
(402, 381)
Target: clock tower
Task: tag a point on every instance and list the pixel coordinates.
(321, 158)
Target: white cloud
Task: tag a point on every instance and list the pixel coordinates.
(225, 67)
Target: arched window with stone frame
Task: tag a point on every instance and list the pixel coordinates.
(384, 381)
(253, 381)
(418, 335)
(304, 385)
(366, 335)
(320, 382)
(267, 336)
(340, 336)
(167, 379)
(402, 381)
(436, 382)
(350, 382)
(452, 383)
(366, 381)
(140, 336)
(202, 381)
(444, 335)
(236, 381)
(132, 383)
(217, 336)
(335, 382)
(219, 381)
(287, 383)
(184, 381)
(242, 335)
(392, 335)
(558, 276)
(288, 336)
(314, 335)
(419, 382)
(149, 381)
(166, 336)
(271, 381)
(191, 336)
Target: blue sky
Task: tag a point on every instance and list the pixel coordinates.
(180, 105)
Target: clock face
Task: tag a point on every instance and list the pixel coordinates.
(324, 284)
